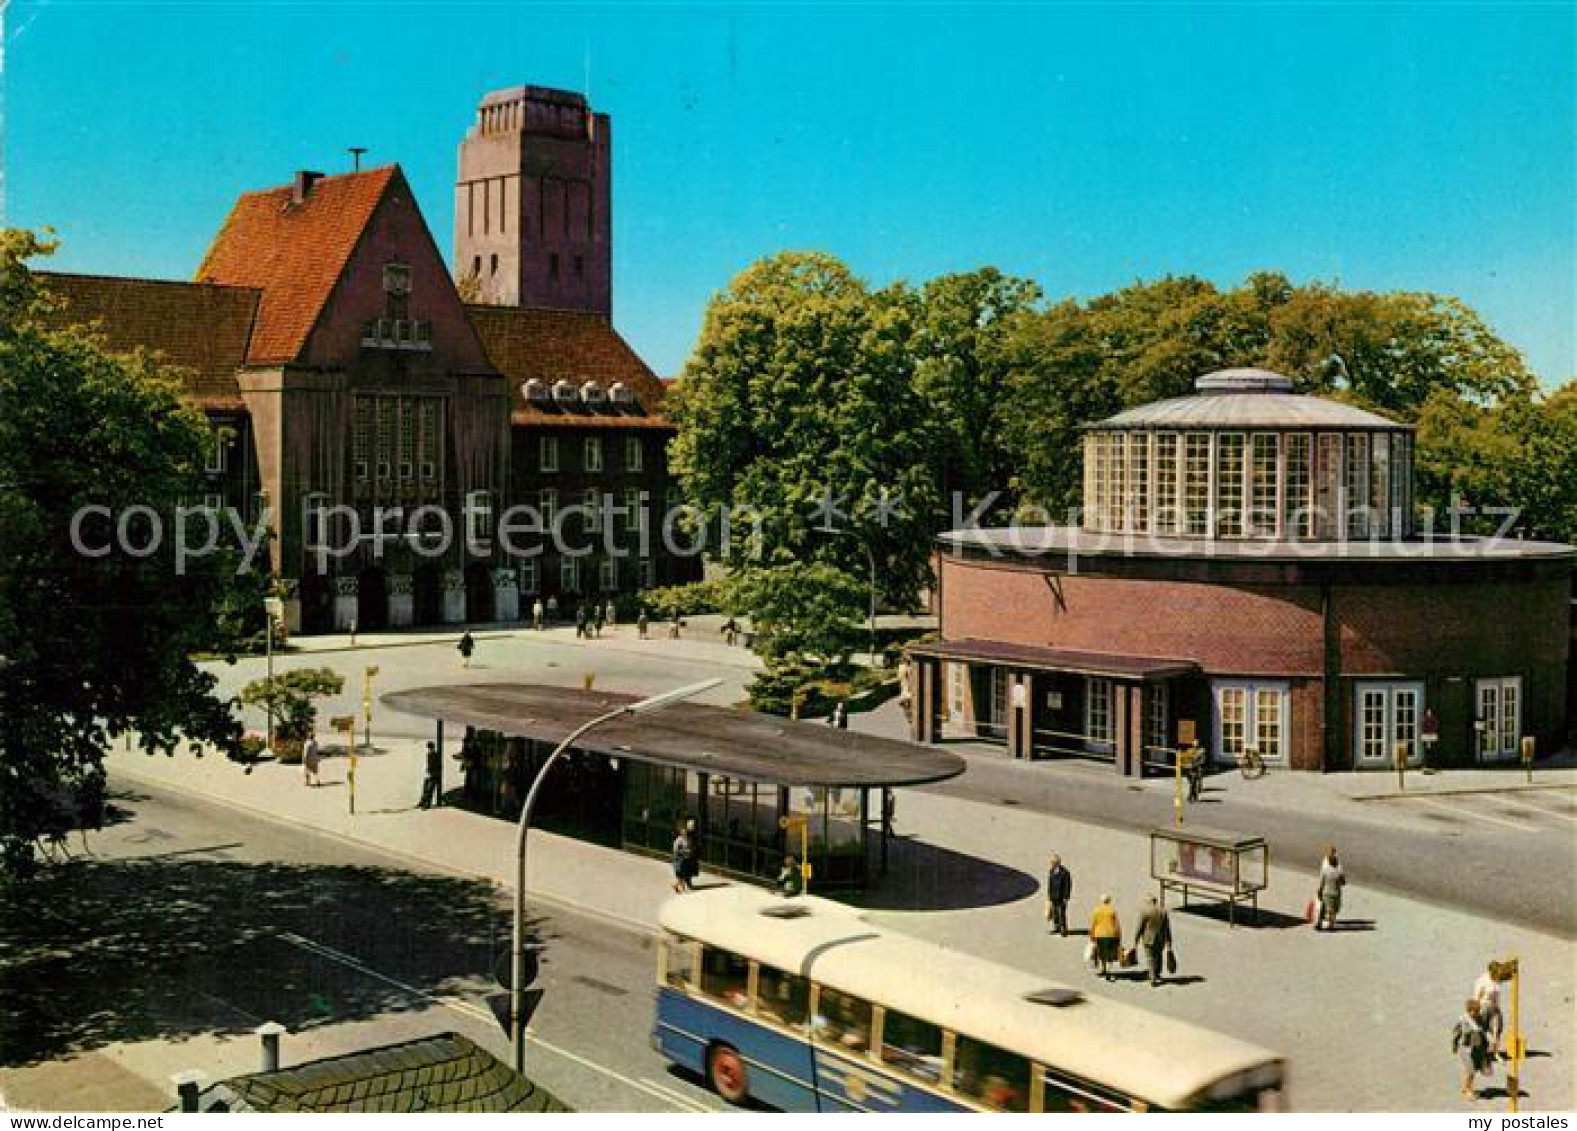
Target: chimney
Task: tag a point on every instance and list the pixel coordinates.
(270, 1032)
(305, 179)
(188, 1084)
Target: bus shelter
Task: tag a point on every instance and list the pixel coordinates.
(1229, 866)
(759, 787)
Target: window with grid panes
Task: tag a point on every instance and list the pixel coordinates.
(1139, 481)
(1196, 483)
(1357, 524)
(1264, 455)
(1297, 515)
(1229, 484)
(1168, 516)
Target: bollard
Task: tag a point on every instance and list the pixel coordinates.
(188, 1085)
(270, 1032)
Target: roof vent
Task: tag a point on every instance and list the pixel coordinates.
(619, 393)
(1058, 997)
(592, 393)
(1244, 381)
(536, 390)
(305, 179)
(786, 911)
(564, 392)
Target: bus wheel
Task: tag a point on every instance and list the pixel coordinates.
(725, 1074)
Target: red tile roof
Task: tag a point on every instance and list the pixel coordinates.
(200, 327)
(295, 253)
(574, 346)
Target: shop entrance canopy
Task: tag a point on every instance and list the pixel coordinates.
(740, 744)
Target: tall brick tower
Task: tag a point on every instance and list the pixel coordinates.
(532, 202)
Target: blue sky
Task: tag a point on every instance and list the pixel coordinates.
(1381, 146)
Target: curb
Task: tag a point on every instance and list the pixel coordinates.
(1466, 791)
(626, 922)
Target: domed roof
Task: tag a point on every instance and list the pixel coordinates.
(1248, 398)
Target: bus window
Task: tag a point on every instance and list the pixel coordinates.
(678, 962)
(780, 997)
(725, 976)
(996, 1078)
(912, 1046)
(1078, 1097)
(842, 1020)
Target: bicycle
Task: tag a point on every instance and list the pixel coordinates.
(1250, 763)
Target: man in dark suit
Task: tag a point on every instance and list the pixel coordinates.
(1059, 889)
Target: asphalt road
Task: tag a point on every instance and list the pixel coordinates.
(1508, 856)
(192, 920)
(1496, 856)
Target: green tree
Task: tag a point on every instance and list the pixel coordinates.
(961, 373)
(291, 697)
(798, 407)
(94, 646)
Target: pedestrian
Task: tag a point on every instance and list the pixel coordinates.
(889, 811)
(730, 631)
(536, 614)
(1471, 1045)
(311, 758)
(432, 783)
(580, 622)
(1106, 935)
(684, 856)
(1194, 770)
(466, 646)
(1486, 991)
(553, 610)
(643, 625)
(1059, 889)
(791, 881)
(610, 614)
(1154, 937)
(1329, 893)
(596, 620)
(675, 627)
(840, 714)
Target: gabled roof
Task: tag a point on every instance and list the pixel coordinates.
(447, 1072)
(199, 327)
(573, 346)
(294, 253)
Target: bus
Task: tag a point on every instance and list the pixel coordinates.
(802, 1004)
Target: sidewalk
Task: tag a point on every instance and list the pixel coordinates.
(1363, 1014)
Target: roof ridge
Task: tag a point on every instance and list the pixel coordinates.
(100, 276)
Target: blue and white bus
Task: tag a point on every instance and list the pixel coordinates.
(804, 1005)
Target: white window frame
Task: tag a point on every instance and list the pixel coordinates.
(644, 573)
(548, 507)
(633, 453)
(530, 577)
(548, 454)
(593, 453)
(213, 502)
(632, 508)
(608, 575)
(592, 504)
(1157, 708)
(1499, 737)
(569, 575)
(1251, 689)
(1100, 714)
(1395, 718)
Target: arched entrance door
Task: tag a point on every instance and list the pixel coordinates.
(372, 600)
(427, 595)
(478, 593)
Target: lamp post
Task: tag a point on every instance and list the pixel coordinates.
(274, 608)
(517, 990)
(870, 557)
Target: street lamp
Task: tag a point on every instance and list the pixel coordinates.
(870, 556)
(275, 609)
(517, 990)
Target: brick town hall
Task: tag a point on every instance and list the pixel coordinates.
(326, 340)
